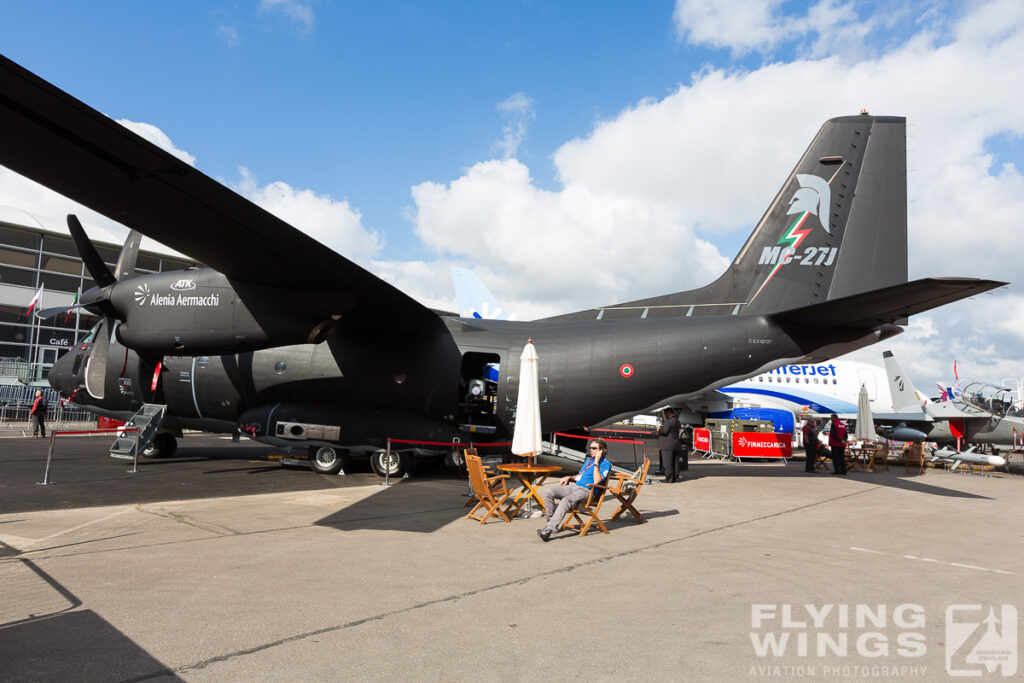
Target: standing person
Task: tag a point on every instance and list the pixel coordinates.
(595, 468)
(810, 445)
(668, 445)
(837, 442)
(38, 414)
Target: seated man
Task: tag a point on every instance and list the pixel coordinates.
(595, 469)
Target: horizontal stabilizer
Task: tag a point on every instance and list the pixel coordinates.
(887, 305)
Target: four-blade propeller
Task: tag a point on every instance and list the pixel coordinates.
(97, 300)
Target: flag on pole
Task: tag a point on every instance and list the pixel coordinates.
(35, 300)
(955, 376)
(68, 316)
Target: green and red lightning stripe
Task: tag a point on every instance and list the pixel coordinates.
(793, 238)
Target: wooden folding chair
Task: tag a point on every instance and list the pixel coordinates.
(878, 458)
(465, 454)
(589, 507)
(823, 461)
(626, 488)
(914, 457)
(852, 458)
(491, 492)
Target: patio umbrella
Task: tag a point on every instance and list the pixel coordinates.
(527, 436)
(865, 430)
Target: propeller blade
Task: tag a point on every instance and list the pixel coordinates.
(93, 261)
(129, 255)
(47, 313)
(96, 366)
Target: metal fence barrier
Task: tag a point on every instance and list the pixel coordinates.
(16, 403)
(120, 430)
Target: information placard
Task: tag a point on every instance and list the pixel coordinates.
(761, 445)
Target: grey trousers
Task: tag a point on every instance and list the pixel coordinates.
(567, 496)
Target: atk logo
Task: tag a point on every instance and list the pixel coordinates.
(980, 640)
(141, 294)
(184, 285)
(814, 197)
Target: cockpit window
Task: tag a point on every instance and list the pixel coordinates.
(92, 333)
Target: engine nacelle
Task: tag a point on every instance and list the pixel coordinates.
(202, 312)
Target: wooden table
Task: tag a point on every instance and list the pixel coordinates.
(531, 477)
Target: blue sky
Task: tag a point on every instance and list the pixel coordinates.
(414, 136)
(366, 100)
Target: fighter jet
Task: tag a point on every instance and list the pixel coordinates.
(976, 415)
(293, 344)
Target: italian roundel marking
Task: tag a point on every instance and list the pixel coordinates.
(626, 370)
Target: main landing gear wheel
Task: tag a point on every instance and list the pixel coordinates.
(326, 460)
(395, 467)
(162, 446)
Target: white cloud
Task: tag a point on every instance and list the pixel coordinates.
(229, 34)
(296, 10)
(518, 110)
(158, 138)
(850, 29)
(568, 249)
(742, 25)
(333, 223)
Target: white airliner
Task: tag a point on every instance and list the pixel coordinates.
(794, 390)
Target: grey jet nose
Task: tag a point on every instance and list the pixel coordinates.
(62, 377)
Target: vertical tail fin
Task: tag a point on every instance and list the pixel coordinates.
(475, 300)
(904, 396)
(837, 227)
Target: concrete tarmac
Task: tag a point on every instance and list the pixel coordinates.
(741, 572)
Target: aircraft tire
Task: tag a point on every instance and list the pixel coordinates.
(326, 460)
(399, 464)
(163, 446)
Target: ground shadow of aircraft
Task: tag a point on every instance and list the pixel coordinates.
(295, 345)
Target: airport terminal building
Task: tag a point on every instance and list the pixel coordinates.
(36, 258)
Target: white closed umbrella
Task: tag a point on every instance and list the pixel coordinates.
(526, 439)
(865, 430)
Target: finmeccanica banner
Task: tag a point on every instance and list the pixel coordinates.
(760, 444)
(702, 439)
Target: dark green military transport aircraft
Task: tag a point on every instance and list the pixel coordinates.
(293, 344)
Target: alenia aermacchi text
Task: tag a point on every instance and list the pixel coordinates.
(296, 345)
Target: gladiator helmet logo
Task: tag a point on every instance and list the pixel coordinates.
(814, 196)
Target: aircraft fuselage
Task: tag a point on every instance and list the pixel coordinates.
(590, 371)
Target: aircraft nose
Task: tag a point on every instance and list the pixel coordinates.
(61, 377)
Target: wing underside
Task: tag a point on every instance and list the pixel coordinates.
(62, 143)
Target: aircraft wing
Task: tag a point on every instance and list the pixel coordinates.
(888, 304)
(62, 143)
